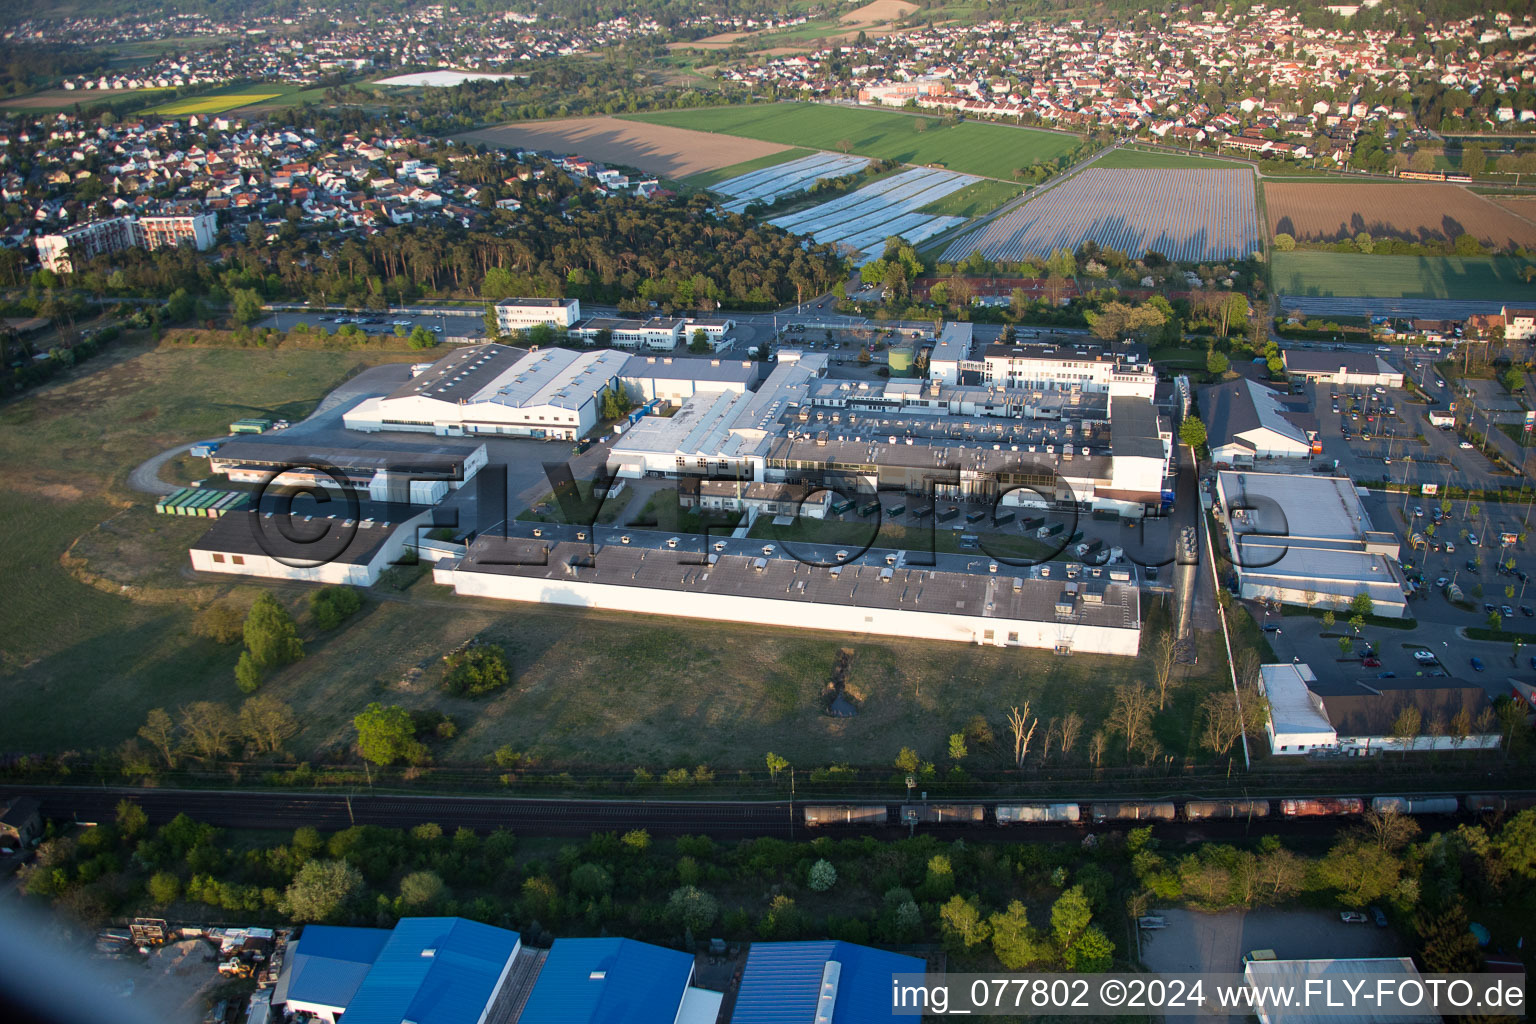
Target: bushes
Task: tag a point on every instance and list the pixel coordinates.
(477, 670)
(334, 605)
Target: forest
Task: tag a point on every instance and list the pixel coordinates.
(1017, 905)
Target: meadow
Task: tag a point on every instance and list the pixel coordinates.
(972, 147)
(974, 200)
(235, 96)
(1405, 277)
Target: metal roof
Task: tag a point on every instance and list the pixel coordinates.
(608, 981)
(782, 982)
(433, 970)
(327, 964)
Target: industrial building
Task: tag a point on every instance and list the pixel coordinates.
(878, 593)
(494, 389)
(676, 380)
(952, 352)
(1076, 365)
(1351, 369)
(657, 334)
(820, 982)
(1358, 716)
(389, 471)
(1273, 975)
(427, 970)
(1246, 421)
(322, 545)
(1307, 540)
(85, 242)
(617, 981)
(521, 314)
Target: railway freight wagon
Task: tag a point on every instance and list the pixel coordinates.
(1415, 805)
(943, 814)
(1039, 814)
(1322, 807)
(817, 816)
(1200, 810)
(1136, 810)
(1477, 803)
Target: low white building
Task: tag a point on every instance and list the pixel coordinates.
(1297, 723)
(951, 352)
(675, 379)
(1015, 608)
(521, 314)
(1519, 324)
(1351, 369)
(1246, 421)
(494, 389)
(1079, 365)
(1307, 540)
(308, 549)
(658, 334)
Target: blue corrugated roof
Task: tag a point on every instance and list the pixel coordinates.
(782, 982)
(328, 964)
(450, 986)
(641, 983)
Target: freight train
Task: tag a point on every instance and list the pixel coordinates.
(1003, 813)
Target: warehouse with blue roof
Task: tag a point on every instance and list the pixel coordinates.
(617, 981)
(798, 982)
(325, 967)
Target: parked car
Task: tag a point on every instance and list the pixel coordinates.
(1424, 657)
(1466, 445)
(1507, 611)
(1418, 512)
(1352, 916)
(1525, 610)
(1371, 662)
(1381, 918)
(1472, 539)
(1477, 664)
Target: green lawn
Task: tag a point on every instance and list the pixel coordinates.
(708, 178)
(1408, 277)
(233, 97)
(974, 200)
(990, 150)
(1127, 159)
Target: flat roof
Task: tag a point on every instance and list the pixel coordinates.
(434, 970)
(976, 458)
(559, 377)
(608, 981)
(461, 372)
(541, 303)
(1294, 505)
(863, 583)
(1291, 708)
(1272, 972)
(1133, 428)
(954, 342)
(1304, 360)
(314, 541)
(366, 456)
(742, 371)
(781, 982)
(327, 964)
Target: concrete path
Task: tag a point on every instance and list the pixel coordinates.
(145, 478)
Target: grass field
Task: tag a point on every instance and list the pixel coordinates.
(50, 100)
(974, 200)
(708, 178)
(1128, 159)
(235, 96)
(989, 150)
(1405, 277)
(111, 651)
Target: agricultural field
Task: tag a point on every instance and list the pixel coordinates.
(970, 147)
(974, 200)
(707, 179)
(50, 100)
(1137, 160)
(1413, 211)
(862, 220)
(1187, 215)
(874, 19)
(1406, 277)
(786, 179)
(658, 149)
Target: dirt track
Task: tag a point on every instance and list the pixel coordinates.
(670, 152)
(1418, 212)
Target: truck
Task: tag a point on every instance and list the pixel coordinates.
(1443, 420)
(1002, 519)
(203, 451)
(1049, 530)
(949, 513)
(250, 426)
(842, 506)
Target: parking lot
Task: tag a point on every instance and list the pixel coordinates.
(1194, 941)
(468, 324)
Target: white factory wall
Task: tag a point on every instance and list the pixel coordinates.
(1386, 597)
(353, 574)
(806, 615)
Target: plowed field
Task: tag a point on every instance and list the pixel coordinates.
(1414, 212)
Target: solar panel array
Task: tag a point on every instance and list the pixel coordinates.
(1189, 216)
(770, 183)
(861, 221)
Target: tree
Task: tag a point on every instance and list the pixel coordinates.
(1165, 650)
(1405, 727)
(1223, 722)
(131, 819)
(1192, 432)
(1280, 875)
(776, 764)
(160, 732)
(1473, 161)
(822, 877)
(591, 881)
(1216, 363)
(1361, 872)
(1131, 715)
(164, 888)
(247, 673)
(421, 891)
(1389, 829)
(1446, 942)
(245, 306)
(1015, 942)
(477, 670)
(322, 890)
(845, 145)
(907, 760)
(957, 747)
(700, 342)
(209, 728)
(267, 722)
(1070, 729)
(219, 623)
(1070, 916)
(270, 634)
(1091, 953)
(1284, 242)
(961, 924)
(421, 338)
(1022, 726)
(387, 734)
(1362, 606)
(334, 605)
(692, 908)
